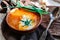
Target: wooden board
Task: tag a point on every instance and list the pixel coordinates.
(55, 27)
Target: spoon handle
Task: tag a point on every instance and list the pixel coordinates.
(44, 34)
(49, 24)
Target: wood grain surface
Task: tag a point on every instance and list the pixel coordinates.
(55, 27)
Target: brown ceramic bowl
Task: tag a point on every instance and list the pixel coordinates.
(21, 19)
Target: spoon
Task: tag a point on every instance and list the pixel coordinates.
(53, 17)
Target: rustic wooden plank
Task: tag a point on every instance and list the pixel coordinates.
(55, 27)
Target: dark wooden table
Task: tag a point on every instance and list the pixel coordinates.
(55, 27)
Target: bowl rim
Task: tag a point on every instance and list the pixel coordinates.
(40, 16)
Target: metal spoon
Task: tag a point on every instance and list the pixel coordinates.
(44, 34)
(53, 16)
